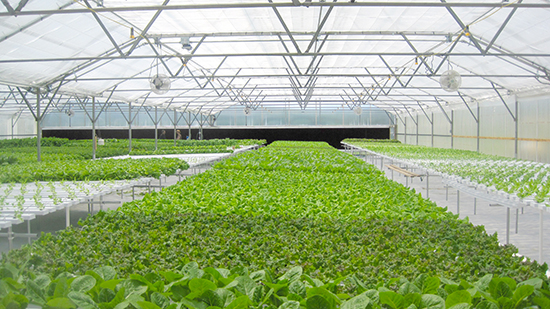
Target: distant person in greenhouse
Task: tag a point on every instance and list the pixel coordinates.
(163, 134)
(178, 134)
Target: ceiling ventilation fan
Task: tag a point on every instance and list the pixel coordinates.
(160, 83)
(450, 80)
(247, 111)
(358, 110)
(69, 112)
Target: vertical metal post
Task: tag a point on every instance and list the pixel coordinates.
(457, 202)
(475, 205)
(10, 243)
(478, 125)
(189, 124)
(446, 192)
(452, 129)
(67, 216)
(427, 184)
(156, 127)
(38, 126)
(517, 219)
(507, 225)
(94, 139)
(175, 125)
(130, 127)
(516, 122)
(100, 202)
(432, 129)
(12, 125)
(417, 125)
(29, 230)
(541, 238)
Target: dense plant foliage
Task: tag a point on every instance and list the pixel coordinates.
(285, 219)
(64, 159)
(375, 250)
(522, 178)
(188, 286)
(90, 169)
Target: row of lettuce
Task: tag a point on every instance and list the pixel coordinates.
(64, 159)
(525, 179)
(292, 225)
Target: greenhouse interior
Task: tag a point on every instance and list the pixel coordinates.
(292, 154)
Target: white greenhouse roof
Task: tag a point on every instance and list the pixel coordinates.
(253, 53)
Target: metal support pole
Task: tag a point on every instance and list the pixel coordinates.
(507, 225)
(417, 125)
(478, 126)
(67, 216)
(130, 120)
(175, 125)
(189, 125)
(452, 129)
(29, 230)
(517, 219)
(541, 238)
(432, 130)
(427, 184)
(516, 123)
(406, 181)
(94, 139)
(101, 203)
(457, 202)
(156, 128)
(446, 192)
(475, 205)
(10, 243)
(38, 125)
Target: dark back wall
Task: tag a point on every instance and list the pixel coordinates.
(333, 136)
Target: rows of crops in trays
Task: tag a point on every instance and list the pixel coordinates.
(64, 159)
(293, 225)
(527, 180)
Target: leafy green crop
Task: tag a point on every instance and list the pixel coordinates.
(522, 178)
(90, 170)
(375, 250)
(188, 286)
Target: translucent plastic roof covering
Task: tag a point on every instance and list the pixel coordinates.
(273, 53)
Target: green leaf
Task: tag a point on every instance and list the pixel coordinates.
(431, 301)
(61, 303)
(106, 272)
(542, 302)
(81, 300)
(332, 299)
(500, 289)
(147, 305)
(42, 281)
(522, 293)
(360, 301)
(317, 302)
(407, 288)
(458, 297)
(291, 304)
(106, 295)
(430, 285)
(245, 285)
(226, 296)
(199, 286)
(460, 306)
(292, 274)
(111, 284)
(535, 282)
(83, 283)
(212, 298)
(193, 304)
(485, 304)
(171, 276)
(190, 270)
(483, 283)
(61, 287)
(35, 293)
(239, 303)
(160, 300)
(392, 299)
(413, 299)
(298, 288)
(133, 287)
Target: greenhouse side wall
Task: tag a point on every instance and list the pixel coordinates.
(17, 126)
(497, 127)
